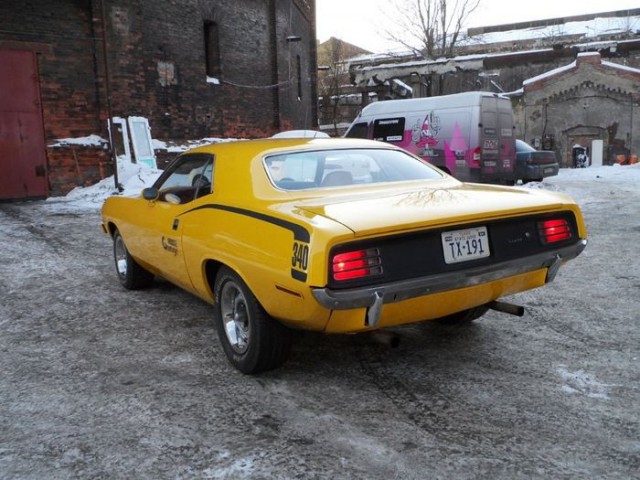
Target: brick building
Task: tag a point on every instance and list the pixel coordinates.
(193, 68)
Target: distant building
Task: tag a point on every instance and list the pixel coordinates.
(589, 103)
(338, 100)
(504, 59)
(193, 68)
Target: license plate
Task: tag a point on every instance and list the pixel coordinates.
(465, 245)
(548, 170)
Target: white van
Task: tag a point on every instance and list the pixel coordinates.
(469, 135)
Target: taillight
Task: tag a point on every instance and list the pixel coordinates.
(554, 231)
(356, 264)
(475, 159)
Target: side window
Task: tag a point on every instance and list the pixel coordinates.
(359, 130)
(293, 172)
(188, 178)
(389, 129)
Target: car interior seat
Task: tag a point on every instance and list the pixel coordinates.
(337, 178)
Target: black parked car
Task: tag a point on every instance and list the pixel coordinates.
(533, 165)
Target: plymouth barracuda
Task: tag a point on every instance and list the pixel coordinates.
(335, 236)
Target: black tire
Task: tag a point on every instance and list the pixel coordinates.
(131, 275)
(464, 317)
(252, 341)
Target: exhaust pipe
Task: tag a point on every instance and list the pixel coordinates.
(505, 307)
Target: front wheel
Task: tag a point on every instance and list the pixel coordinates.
(252, 341)
(131, 275)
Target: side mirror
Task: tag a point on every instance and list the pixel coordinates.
(150, 193)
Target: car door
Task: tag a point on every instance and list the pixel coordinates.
(160, 226)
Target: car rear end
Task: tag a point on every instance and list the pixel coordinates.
(534, 165)
(541, 164)
(429, 273)
(447, 251)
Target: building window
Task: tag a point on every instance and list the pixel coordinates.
(212, 50)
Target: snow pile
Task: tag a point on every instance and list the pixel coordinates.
(584, 183)
(133, 178)
(183, 147)
(89, 141)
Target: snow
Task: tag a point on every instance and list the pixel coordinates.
(588, 28)
(89, 141)
(132, 177)
(183, 147)
(573, 64)
(620, 67)
(550, 73)
(582, 383)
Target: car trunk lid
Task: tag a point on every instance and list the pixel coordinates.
(405, 210)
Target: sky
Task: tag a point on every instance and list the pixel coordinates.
(362, 22)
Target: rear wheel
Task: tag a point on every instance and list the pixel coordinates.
(464, 317)
(131, 275)
(252, 341)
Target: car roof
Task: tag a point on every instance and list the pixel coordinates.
(251, 148)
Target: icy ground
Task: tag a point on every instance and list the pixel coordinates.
(100, 382)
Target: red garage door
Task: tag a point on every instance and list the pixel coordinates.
(22, 151)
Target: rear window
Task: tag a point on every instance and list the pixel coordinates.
(335, 168)
(359, 130)
(524, 147)
(388, 129)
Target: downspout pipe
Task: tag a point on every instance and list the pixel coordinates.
(273, 44)
(107, 87)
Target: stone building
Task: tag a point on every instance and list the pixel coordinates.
(589, 103)
(193, 68)
(541, 66)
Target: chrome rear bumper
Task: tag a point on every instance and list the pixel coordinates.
(373, 297)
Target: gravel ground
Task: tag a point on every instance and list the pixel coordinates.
(99, 382)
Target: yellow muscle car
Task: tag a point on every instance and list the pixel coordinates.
(336, 236)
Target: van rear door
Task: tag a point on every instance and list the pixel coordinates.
(497, 159)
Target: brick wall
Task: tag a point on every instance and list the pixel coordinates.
(156, 69)
(77, 166)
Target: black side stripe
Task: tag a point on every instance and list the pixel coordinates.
(300, 234)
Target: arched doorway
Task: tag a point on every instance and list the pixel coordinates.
(583, 137)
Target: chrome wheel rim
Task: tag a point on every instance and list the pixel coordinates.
(235, 317)
(120, 252)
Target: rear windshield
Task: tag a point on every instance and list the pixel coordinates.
(335, 168)
(524, 147)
